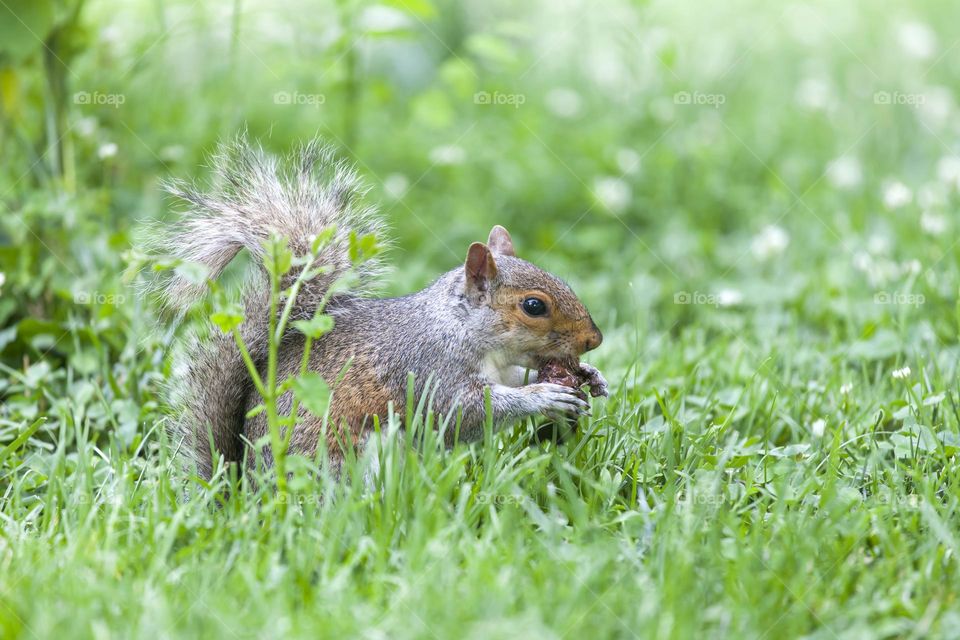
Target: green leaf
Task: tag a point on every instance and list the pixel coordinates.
(420, 8)
(363, 247)
(354, 247)
(491, 49)
(193, 272)
(881, 345)
(9, 90)
(316, 326)
(460, 76)
(313, 393)
(24, 25)
(21, 439)
(29, 328)
(433, 108)
(323, 239)
(7, 336)
(228, 317)
(934, 400)
(279, 256)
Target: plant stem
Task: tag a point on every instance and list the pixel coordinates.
(270, 398)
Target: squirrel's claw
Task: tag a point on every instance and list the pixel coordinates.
(598, 384)
(557, 399)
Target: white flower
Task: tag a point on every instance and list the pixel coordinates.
(85, 127)
(936, 105)
(873, 265)
(663, 109)
(948, 170)
(845, 172)
(729, 297)
(846, 388)
(814, 94)
(607, 67)
(900, 374)
(771, 241)
(917, 40)
(613, 193)
(878, 244)
(107, 150)
(896, 194)
(172, 152)
(628, 161)
(111, 34)
(805, 23)
(396, 185)
(3, 278)
(932, 194)
(448, 154)
(818, 427)
(933, 223)
(564, 102)
(911, 267)
(381, 19)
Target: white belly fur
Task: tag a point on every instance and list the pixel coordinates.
(498, 369)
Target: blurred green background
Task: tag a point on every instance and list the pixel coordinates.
(756, 200)
(745, 168)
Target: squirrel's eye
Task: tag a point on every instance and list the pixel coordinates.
(534, 306)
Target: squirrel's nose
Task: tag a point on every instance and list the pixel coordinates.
(594, 338)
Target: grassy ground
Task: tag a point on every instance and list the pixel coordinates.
(757, 203)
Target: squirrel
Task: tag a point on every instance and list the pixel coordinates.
(484, 324)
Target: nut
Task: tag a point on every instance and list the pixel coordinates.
(567, 374)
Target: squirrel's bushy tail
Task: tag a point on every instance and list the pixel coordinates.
(253, 195)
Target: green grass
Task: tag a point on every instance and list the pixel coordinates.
(779, 454)
(711, 509)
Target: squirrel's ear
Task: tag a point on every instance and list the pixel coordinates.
(500, 242)
(480, 267)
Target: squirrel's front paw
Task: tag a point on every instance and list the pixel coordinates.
(598, 384)
(555, 399)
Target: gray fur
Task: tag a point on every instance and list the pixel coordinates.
(253, 195)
